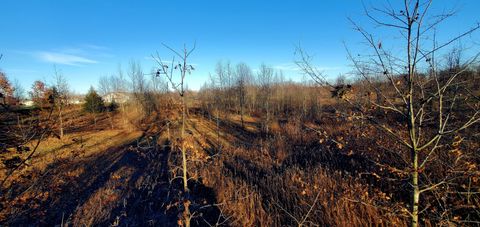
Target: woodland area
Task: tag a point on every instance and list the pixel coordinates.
(394, 143)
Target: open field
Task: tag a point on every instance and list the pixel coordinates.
(240, 113)
(240, 176)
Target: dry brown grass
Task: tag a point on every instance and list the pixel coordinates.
(260, 182)
(72, 146)
(323, 167)
(58, 175)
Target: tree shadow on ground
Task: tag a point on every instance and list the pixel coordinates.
(124, 185)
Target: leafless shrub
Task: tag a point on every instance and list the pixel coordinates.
(409, 89)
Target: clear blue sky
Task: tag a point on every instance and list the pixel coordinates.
(88, 39)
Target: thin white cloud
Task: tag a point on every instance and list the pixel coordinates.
(64, 59)
(94, 47)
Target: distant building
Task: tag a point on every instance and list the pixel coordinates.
(119, 97)
(27, 102)
(76, 99)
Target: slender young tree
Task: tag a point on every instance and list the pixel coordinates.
(179, 70)
(415, 93)
(105, 85)
(264, 77)
(61, 99)
(120, 85)
(243, 74)
(38, 93)
(19, 91)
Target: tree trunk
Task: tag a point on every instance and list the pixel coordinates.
(60, 116)
(218, 127)
(412, 132)
(186, 203)
(111, 120)
(416, 191)
(124, 115)
(241, 115)
(184, 152)
(268, 117)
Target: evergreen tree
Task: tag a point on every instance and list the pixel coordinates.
(113, 106)
(93, 102)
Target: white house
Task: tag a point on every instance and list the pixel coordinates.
(76, 99)
(119, 97)
(27, 102)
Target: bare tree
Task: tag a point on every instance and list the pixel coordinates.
(62, 96)
(105, 85)
(243, 74)
(35, 131)
(225, 76)
(411, 94)
(19, 91)
(221, 81)
(6, 89)
(218, 97)
(157, 84)
(341, 80)
(114, 89)
(137, 78)
(264, 77)
(38, 93)
(178, 70)
(119, 84)
(279, 88)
